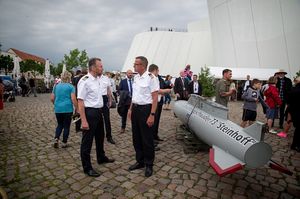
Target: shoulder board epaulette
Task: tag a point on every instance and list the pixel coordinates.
(85, 78)
(151, 75)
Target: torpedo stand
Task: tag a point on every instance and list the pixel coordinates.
(191, 143)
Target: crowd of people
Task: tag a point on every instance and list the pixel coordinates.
(280, 100)
(87, 97)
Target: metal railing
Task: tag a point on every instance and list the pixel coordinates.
(152, 29)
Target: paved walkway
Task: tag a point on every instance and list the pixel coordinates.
(31, 168)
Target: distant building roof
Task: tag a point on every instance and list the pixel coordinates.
(27, 56)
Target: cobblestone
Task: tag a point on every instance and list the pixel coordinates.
(31, 168)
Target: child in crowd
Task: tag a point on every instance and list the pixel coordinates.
(251, 97)
(167, 97)
(273, 101)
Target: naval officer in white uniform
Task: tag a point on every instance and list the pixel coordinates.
(142, 111)
(90, 103)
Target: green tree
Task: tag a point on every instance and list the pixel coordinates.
(30, 65)
(75, 58)
(6, 63)
(207, 82)
(58, 69)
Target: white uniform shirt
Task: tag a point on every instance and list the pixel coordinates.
(142, 87)
(105, 82)
(89, 91)
(113, 85)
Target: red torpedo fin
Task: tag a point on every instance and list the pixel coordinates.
(274, 165)
(223, 163)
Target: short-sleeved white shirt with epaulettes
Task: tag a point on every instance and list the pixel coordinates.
(89, 90)
(143, 86)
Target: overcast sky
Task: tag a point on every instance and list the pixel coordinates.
(104, 28)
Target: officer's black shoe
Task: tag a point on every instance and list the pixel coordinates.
(156, 148)
(148, 171)
(159, 139)
(106, 160)
(136, 166)
(92, 173)
(110, 140)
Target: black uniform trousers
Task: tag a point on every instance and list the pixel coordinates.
(106, 116)
(296, 138)
(124, 116)
(157, 119)
(78, 125)
(281, 113)
(95, 121)
(142, 134)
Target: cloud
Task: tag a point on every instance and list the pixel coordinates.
(104, 28)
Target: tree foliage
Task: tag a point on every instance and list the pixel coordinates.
(6, 63)
(56, 71)
(31, 65)
(207, 82)
(75, 58)
(298, 74)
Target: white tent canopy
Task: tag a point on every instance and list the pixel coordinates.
(47, 73)
(16, 70)
(241, 73)
(64, 68)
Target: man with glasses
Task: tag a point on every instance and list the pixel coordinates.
(141, 112)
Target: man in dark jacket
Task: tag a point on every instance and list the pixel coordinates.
(284, 86)
(32, 85)
(194, 86)
(125, 90)
(294, 105)
(181, 86)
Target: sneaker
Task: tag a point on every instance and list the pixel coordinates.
(55, 144)
(282, 134)
(273, 131)
(64, 145)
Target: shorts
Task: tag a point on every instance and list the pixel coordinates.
(272, 113)
(249, 115)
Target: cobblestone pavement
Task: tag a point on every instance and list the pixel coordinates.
(32, 168)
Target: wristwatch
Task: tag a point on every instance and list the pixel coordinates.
(152, 114)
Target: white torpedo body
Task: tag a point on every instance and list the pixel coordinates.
(233, 147)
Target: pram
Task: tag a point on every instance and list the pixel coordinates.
(8, 94)
(24, 86)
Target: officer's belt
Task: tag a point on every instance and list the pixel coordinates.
(91, 108)
(145, 105)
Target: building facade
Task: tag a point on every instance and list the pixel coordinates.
(249, 34)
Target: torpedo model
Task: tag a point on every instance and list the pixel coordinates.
(233, 147)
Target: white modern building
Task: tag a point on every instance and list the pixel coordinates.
(256, 33)
(171, 50)
(258, 36)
